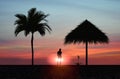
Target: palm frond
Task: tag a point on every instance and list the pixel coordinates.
(43, 17)
(22, 19)
(41, 30)
(31, 12)
(18, 29)
(47, 27)
(42, 27)
(26, 32)
(39, 17)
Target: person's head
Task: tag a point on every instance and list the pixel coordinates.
(59, 49)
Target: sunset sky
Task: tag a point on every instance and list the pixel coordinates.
(64, 16)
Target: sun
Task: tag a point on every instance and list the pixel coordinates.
(54, 60)
(59, 60)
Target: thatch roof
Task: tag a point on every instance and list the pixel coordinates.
(86, 31)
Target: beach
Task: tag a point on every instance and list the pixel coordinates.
(59, 72)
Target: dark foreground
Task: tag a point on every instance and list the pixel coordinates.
(59, 72)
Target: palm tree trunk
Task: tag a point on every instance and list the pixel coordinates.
(86, 53)
(32, 38)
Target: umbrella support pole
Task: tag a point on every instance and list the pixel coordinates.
(86, 53)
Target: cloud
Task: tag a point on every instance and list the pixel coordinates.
(4, 41)
(13, 61)
(107, 53)
(22, 61)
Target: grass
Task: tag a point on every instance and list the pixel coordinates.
(59, 72)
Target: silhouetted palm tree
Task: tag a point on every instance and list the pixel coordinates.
(34, 22)
(86, 32)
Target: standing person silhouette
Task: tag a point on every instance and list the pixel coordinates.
(59, 54)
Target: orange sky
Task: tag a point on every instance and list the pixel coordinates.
(46, 54)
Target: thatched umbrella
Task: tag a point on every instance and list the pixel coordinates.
(86, 32)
